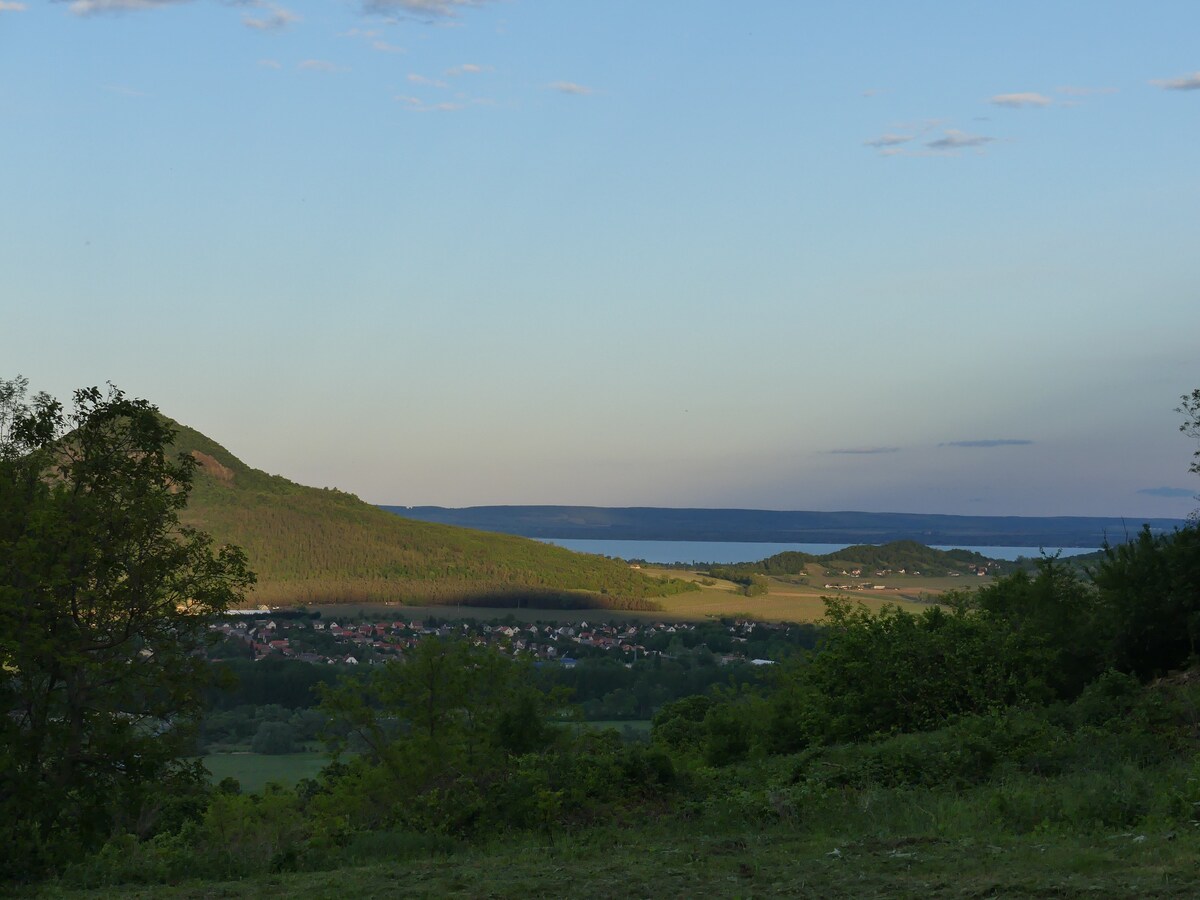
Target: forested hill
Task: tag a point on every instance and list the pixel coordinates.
(313, 545)
(897, 556)
(790, 526)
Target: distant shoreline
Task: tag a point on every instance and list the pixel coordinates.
(788, 526)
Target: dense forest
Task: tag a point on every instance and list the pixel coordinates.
(897, 556)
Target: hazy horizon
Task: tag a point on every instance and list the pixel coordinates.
(883, 257)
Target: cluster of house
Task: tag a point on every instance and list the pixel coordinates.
(883, 573)
(353, 643)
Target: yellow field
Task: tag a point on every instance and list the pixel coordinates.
(786, 601)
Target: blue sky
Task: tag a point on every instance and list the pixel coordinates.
(917, 257)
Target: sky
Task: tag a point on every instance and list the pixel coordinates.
(910, 257)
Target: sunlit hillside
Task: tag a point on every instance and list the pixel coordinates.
(312, 545)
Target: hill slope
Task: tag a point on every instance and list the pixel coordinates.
(313, 545)
(895, 556)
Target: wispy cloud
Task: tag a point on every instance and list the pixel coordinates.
(1166, 492)
(1019, 101)
(416, 104)
(92, 7)
(276, 19)
(320, 65)
(990, 442)
(11, 6)
(414, 78)
(889, 140)
(468, 69)
(863, 451)
(570, 87)
(958, 140)
(428, 10)
(894, 141)
(1182, 83)
(374, 39)
(270, 64)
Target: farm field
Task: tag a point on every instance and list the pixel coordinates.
(787, 601)
(254, 770)
(638, 729)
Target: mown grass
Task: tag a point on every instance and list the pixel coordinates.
(255, 770)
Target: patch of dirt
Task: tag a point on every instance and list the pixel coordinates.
(212, 468)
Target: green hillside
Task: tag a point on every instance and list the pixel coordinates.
(909, 556)
(311, 545)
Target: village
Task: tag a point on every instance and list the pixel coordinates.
(981, 571)
(372, 642)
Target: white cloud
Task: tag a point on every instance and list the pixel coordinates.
(889, 140)
(320, 65)
(570, 87)
(11, 6)
(1182, 83)
(1017, 101)
(413, 78)
(270, 64)
(91, 7)
(425, 9)
(277, 19)
(957, 140)
(416, 104)
(468, 69)
(374, 38)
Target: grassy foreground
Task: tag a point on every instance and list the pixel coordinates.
(652, 861)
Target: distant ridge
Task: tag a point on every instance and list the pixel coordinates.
(312, 545)
(649, 523)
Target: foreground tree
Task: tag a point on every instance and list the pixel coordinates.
(104, 605)
(1189, 407)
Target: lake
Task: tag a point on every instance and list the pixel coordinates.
(747, 551)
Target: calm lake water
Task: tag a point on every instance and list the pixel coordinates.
(743, 551)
